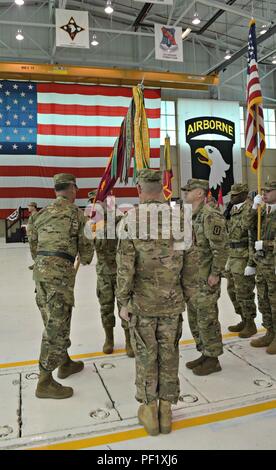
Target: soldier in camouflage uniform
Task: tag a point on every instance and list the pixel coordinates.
(56, 237)
(150, 292)
(266, 266)
(240, 272)
(106, 269)
(203, 266)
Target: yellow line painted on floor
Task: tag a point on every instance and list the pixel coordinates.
(138, 433)
(184, 342)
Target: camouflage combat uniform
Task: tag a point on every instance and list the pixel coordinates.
(149, 284)
(56, 237)
(106, 269)
(240, 287)
(266, 266)
(206, 257)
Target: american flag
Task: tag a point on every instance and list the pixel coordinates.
(48, 128)
(254, 104)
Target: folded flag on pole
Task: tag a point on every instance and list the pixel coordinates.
(132, 143)
(168, 173)
(254, 132)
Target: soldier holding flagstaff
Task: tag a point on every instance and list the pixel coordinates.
(266, 266)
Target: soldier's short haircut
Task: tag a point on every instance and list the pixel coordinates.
(62, 186)
(151, 187)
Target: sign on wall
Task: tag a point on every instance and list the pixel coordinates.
(72, 28)
(210, 143)
(168, 43)
(160, 2)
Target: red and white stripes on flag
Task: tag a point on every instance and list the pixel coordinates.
(254, 100)
(77, 126)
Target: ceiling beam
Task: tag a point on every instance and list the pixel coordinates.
(49, 25)
(241, 52)
(142, 15)
(214, 18)
(234, 10)
(245, 68)
(68, 73)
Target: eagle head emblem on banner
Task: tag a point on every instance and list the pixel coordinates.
(211, 140)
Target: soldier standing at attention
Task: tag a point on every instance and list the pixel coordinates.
(32, 208)
(266, 266)
(106, 269)
(204, 263)
(150, 292)
(241, 268)
(57, 236)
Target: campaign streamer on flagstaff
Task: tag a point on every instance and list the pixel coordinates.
(47, 128)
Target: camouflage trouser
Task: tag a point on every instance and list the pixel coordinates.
(155, 344)
(56, 316)
(106, 293)
(266, 290)
(240, 289)
(202, 307)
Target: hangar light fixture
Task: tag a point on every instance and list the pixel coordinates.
(227, 55)
(19, 2)
(264, 29)
(196, 20)
(19, 35)
(108, 8)
(186, 33)
(94, 41)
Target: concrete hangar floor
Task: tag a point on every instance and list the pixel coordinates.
(234, 409)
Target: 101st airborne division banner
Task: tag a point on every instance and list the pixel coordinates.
(72, 28)
(210, 146)
(168, 43)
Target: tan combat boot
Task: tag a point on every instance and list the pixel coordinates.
(165, 416)
(69, 367)
(129, 349)
(263, 341)
(272, 347)
(237, 328)
(47, 387)
(109, 340)
(249, 329)
(148, 417)
(208, 366)
(195, 363)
